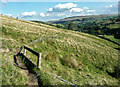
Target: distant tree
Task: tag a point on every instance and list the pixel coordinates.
(91, 31)
(111, 19)
(98, 32)
(72, 26)
(94, 23)
(117, 34)
(58, 26)
(118, 19)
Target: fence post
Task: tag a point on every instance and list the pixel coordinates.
(39, 60)
(24, 51)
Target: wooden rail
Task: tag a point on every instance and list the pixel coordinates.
(35, 53)
(30, 65)
(19, 51)
(64, 80)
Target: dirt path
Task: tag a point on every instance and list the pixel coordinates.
(32, 78)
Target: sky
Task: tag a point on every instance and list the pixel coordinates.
(47, 11)
(61, 0)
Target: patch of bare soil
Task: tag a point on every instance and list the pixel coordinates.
(32, 78)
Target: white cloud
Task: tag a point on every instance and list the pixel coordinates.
(63, 0)
(65, 6)
(8, 15)
(59, 11)
(81, 14)
(89, 14)
(111, 9)
(76, 10)
(47, 14)
(4, 1)
(62, 7)
(89, 11)
(15, 0)
(66, 10)
(42, 14)
(62, 10)
(56, 14)
(50, 9)
(85, 8)
(28, 14)
(109, 6)
(62, 14)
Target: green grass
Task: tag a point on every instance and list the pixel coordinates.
(112, 38)
(76, 57)
(64, 57)
(112, 26)
(11, 75)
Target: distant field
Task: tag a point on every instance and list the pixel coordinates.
(112, 38)
(80, 19)
(114, 26)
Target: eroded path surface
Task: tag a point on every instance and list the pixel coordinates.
(32, 78)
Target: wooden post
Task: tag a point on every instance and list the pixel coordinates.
(35, 53)
(24, 51)
(39, 60)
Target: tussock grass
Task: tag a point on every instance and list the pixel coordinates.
(11, 75)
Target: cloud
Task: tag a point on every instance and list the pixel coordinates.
(85, 8)
(62, 10)
(89, 11)
(50, 9)
(3, 2)
(65, 10)
(42, 14)
(28, 14)
(89, 14)
(8, 15)
(15, 0)
(76, 10)
(61, 14)
(110, 6)
(62, 7)
(47, 14)
(59, 11)
(111, 9)
(65, 6)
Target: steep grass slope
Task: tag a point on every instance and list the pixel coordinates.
(76, 57)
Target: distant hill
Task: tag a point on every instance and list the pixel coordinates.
(93, 24)
(83, 18)
(79, 58)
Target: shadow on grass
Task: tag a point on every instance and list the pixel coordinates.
(117, 49)
(29, 66)
(109, 40)
(17, 65)
(116, 73)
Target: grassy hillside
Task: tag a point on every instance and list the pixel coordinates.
(112, 38)
(93, 24)
(76, 57)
